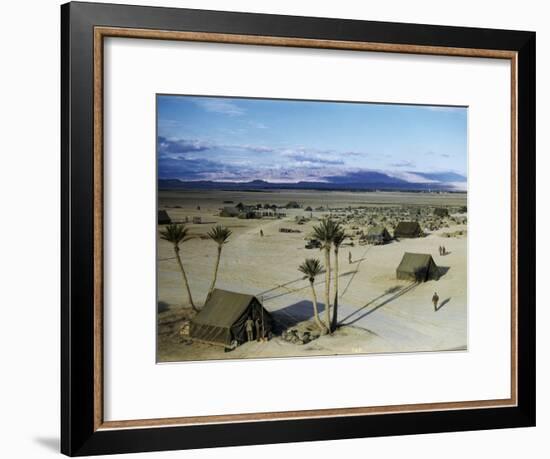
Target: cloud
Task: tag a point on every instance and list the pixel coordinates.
(190, 159)
(257, 125)
(355, 153)
(172, 147)
(403, 163)
(220, 106)
(410, 177)
(459, 186)
(443, 176)
(179, 146)
(253, 148)
(313, 159)
(186, 169)
(433, 153)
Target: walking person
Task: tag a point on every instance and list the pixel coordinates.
(250, 329)
(435, 300)
(261, 233)
(349, 258)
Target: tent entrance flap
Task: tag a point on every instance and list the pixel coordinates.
(223, 318)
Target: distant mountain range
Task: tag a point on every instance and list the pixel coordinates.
(356, 181)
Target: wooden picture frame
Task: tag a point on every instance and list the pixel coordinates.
(84, 27)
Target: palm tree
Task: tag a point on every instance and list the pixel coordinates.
(324, 232)
(178, 234)
(312, 267)
(219, 234)
(337, 240)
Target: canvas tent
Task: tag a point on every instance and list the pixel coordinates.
(407, 229)
(163, 218)
(419, 267)
(223, 318)
(378, 235)
(230, 212)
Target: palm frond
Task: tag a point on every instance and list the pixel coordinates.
(175, 233)
(326, 231)
(219, 234)
(311, 268)
(339, 238)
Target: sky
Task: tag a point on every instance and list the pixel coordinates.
(240, 139)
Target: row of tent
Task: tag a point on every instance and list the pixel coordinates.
(222, 320)
(380, 235)
(375, 235)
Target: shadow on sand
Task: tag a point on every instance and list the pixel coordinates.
(358, 263)
(443, 303)
(292, 315)
(288, 292)
(162, 307)
(395, 293)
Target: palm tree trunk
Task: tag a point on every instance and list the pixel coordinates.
(327, 287)
(177, 250)
(215, 272)
(335, 308)
(316, 309)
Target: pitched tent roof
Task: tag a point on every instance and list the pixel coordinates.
(163, 218)
(223, 317)
(418, 267)
(378, 233)
(407, 229)
(378, 230)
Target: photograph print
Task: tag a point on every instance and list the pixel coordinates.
(296, 228)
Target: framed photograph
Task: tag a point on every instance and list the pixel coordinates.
(280, 229)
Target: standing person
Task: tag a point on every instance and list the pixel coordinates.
(435, 300)
(258, 329)
(261, 233)
(439, 250)
(349, 258)
(250, 329)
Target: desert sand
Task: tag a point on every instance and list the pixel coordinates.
(378, 313)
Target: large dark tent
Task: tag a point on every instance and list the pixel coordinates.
(378, 235)
(419, 267)
(223, 318)
(164, 218)
(407, 229)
